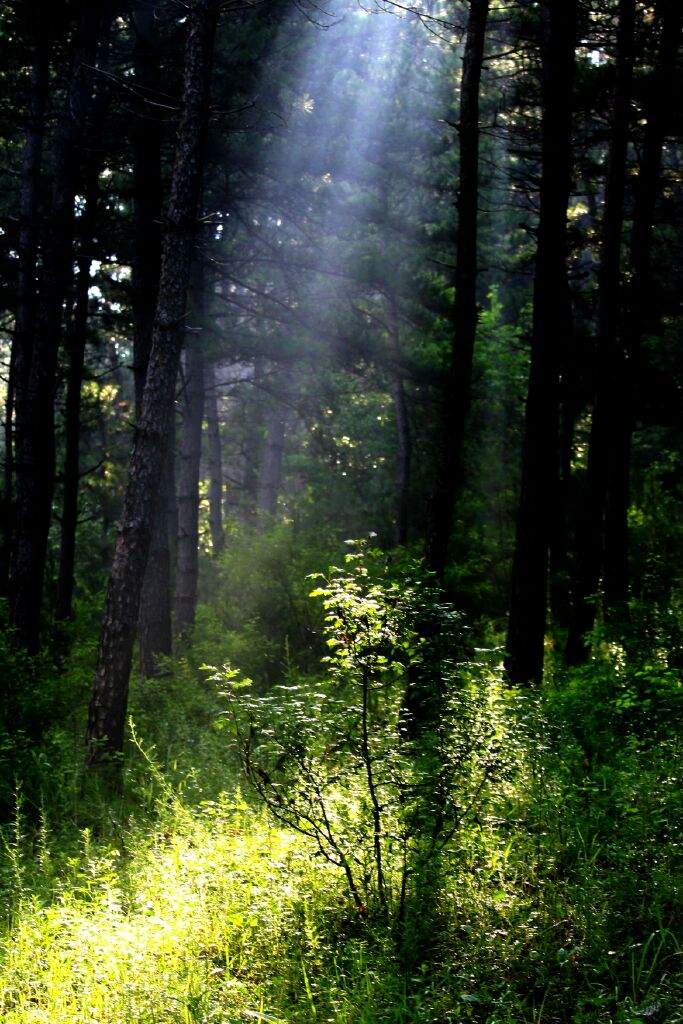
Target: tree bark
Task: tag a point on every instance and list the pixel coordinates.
(108, 707)
(551, 318)
(147, 190)
(35, 417)
(608, 397)
(456, 396)
(155, 633)
(640, 305)
(188, 488)
(270, 468)
(403, 435)
(155, 630)
(215, 454)
(72, 429)
(25, 319)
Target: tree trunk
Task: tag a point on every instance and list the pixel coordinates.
(35, 418)
(252, 444)
(551, 317)
(108, 707)
(590, 528)
(640, 304)
(403, 437)
(155, 630)
(188, 488)
(72, 430)
(456, 397)
(154, 627)
(270, 469)
(24, 323)
(147, 190)
(213, 432)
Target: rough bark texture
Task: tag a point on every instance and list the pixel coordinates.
(192, 404)
(608, 396)
(24, 324)
(155, 630)
(145, 137)
(77, 339)
(551, 320)
(456, 397)
(640, 304)
(154, 627)
(108, 707)
(215, 459)
(35, 426)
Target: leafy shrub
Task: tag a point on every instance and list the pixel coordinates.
(342, 760)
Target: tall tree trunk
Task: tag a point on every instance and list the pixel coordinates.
(147, 189)
(403, 436)
(155, 628)
(35, 418)
(609, 378)
(77, 335)
(270, 469)
(640, 304)
(551, 316)
(252, 444)
(108, 707)
(192, 404)
(215, 453)
(456, 397)
(25, 319)
(77, 339)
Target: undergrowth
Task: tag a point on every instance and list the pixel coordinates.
(183, 900)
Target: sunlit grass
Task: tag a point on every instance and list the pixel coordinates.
(189, 926)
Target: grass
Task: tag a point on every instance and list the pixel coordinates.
(181, 902)
(202, 911)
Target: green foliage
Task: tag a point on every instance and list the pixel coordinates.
(341, 759)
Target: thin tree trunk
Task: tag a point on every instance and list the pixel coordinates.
(108, 707)
(551, 316)
(213, 432)
(24, 324)
(252, 444)
(77, 335)
(35, 418)
(456, 397)
(639, 305)
(403, 436)
(188, 488)
(72, 429)
(590, 528)
(270, 469)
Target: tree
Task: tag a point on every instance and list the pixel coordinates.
(107, 713)
(609, 379)
(155, 628)
(456, 397)
(551, 320)
(25, 315)
(35, 431)
(641, 301)
(192, 405)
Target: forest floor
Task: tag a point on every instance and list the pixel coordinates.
(181, 902)
(178, 906)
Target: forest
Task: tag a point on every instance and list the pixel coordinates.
(341, 604)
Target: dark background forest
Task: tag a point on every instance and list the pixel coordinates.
(341, 617)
